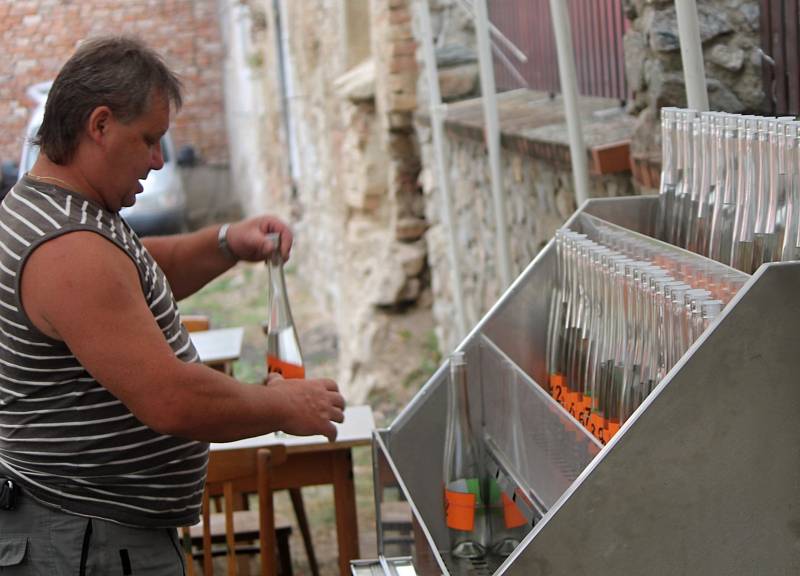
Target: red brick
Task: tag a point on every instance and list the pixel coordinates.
(399, 16)
(180, 29)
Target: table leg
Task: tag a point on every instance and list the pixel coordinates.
(344, 493)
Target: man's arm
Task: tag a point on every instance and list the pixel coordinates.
(110, 329)
(192, 260)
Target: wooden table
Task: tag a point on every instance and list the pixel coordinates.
(313, 460)
(219, 348)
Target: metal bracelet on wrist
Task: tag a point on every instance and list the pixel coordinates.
(222, 242)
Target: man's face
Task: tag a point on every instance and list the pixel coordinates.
(133, 149)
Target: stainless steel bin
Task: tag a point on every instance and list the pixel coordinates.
(704, 478)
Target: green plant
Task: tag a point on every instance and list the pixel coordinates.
(431, 358)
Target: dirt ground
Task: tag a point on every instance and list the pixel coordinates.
(407, 355)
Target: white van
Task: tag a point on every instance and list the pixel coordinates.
(161, 206)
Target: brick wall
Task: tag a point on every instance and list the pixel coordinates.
(37, 36)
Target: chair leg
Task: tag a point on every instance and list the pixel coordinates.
(284, 552)
(186, 541)
(302, 522)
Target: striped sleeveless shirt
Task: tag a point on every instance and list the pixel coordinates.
(67, 440)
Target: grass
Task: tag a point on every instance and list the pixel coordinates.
(431, 358)
(237, 298)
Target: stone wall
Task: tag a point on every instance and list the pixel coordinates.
(537, 177)
(729, 32)
(344, 103)
(37, 36)
(537, 181)
(368, 239)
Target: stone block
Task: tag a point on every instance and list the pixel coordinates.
(458, 81)
(411, 290)
(664, 27)
(399, 15)
(403, 47)
(399, 120)
(357, 84)
(399, 102)
(399, 32)
(401, 83)
(411, 257)
(729, 57)
(401, 146)
(721, 98)
(635, 46)
(455, 54)
(389, 287)
(406, 63)
(410, 229)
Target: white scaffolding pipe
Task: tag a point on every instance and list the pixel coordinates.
(435, 100)
(502, 38)
(569, 92)
(493, 141)
(694, 72)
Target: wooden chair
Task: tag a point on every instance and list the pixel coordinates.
(225, 470)
(195, 322)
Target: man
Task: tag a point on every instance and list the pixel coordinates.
(105, 412)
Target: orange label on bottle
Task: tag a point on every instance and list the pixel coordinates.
(572, 403)
(613, 427)
(597, 425)
(557, 387)
(511, 513)
(460, 510)
(285, 369)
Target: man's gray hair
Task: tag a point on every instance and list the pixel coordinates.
(120, 72)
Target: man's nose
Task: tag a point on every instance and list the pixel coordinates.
(157, 158)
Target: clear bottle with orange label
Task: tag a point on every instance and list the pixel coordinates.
(283, 345)
(463, 474)
(507, 523)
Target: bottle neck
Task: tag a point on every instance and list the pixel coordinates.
(280, 315)
(460, 396)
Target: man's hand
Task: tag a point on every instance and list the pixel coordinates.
(308, 406)
(247, 239)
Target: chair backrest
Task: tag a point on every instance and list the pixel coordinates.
(228, 471)
(195, 322)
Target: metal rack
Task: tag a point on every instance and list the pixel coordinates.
(704, 478)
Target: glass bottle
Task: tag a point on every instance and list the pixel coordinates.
(699, 160)
(669, 177)
(710, 309)
(683, 194)
(711, 180)
(463, 472)
(724, 212)
(508, 524)
(790, 249)
(746, 202)
(283, 345)
(763, 184)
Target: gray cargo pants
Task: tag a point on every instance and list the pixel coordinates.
(39, 541)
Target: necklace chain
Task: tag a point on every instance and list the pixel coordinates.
(66, 184)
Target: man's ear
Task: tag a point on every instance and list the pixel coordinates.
(98, 124)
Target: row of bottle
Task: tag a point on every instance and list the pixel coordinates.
(623, 312)
(730, 186)
(481, 519)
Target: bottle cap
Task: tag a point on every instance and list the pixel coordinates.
(710, 308)
(275, 238)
